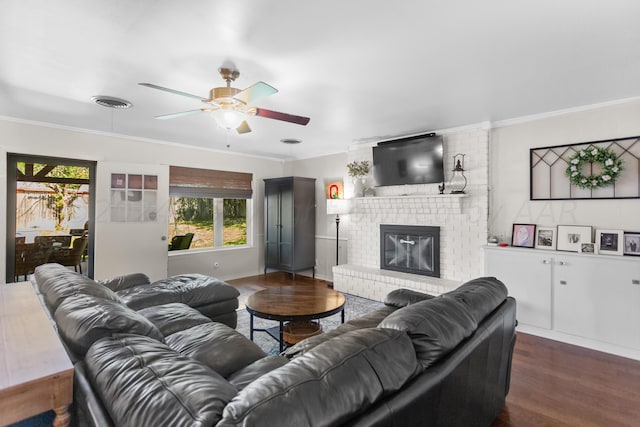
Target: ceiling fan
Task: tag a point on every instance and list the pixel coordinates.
(230, 105)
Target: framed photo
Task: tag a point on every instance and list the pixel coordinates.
(588, 248)
(632, 243)
(571, 236)
(546, 238)
(610, 242)
(523, 235)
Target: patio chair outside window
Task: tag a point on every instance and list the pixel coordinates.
(181, 242)
(71, 257)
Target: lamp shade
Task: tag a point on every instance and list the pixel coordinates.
(228, 118)
(338, 206)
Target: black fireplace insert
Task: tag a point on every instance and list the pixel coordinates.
(410, 248)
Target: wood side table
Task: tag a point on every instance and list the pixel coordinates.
(36, 374)
(291, 304)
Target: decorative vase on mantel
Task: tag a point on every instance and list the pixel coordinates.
(358, 171)
(359, 185)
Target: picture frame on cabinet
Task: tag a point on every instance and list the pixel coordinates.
(632, 243)
(523, 235)
(546, 238)
(610, 242)
(588, 248)
(571, 236)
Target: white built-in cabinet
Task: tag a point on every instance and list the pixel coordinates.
(593, 297)
(528, 278)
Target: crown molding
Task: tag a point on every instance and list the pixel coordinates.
(556, 113)
(130, 137)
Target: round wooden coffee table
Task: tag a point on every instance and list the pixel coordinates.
(293, 304)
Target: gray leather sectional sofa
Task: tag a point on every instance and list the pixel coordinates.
(418, 361)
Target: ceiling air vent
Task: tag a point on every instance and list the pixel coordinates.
(111, 102)
(291, 141)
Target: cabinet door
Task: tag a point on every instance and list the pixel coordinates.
(527, 275)
(285, 243)
(596, 298)
(271, 224)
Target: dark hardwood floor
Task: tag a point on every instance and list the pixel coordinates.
(552, 383)
(557, 384)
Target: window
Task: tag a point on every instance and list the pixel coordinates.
(212, 205)
(214, 222)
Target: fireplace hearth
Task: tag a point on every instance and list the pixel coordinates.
(410, 249)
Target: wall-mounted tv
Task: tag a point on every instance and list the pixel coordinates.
(411, 160)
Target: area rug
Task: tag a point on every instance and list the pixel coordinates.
(354, 307)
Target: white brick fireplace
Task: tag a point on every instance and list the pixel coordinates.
(463, 222)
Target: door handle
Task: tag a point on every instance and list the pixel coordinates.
(563, 282)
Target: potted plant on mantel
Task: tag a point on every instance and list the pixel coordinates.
(358, 171)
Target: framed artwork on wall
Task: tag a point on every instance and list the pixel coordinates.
(571, 236)
(632, 243)
(610, 242)
(523, 235)
(546, 238)
(334, 189)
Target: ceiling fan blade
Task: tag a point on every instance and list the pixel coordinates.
(255, 92)
(243, 128)
(182, 114)
(177, 92)
(269, 114)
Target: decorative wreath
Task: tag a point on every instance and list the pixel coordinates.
(608, 159)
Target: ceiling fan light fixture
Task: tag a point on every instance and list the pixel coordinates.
(228, 119)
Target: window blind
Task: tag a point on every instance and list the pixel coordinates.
(194, 182)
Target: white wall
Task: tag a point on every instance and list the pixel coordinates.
(23, 138)
(509, 171)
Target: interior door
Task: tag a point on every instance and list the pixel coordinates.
(131, 219)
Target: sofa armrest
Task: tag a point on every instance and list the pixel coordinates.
(126, 281)
(404, 297)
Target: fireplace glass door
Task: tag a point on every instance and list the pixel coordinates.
(410, 249)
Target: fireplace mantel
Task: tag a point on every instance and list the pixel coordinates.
(449, 203)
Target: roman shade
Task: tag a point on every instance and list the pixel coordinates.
(193, 182)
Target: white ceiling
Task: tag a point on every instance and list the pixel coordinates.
(362, 70)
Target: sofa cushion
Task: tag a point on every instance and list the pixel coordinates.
(218, 308)
(144, 383)
(329, 384)
(240, 379)
(126, 281)
(56, 283)
(84, 319)
(368, 320)
(174, 317)
(403, 297)
(481, 296)
(191, 289)
(436, 326)
(223, 349)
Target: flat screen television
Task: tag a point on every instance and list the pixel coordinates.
(411, 160)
